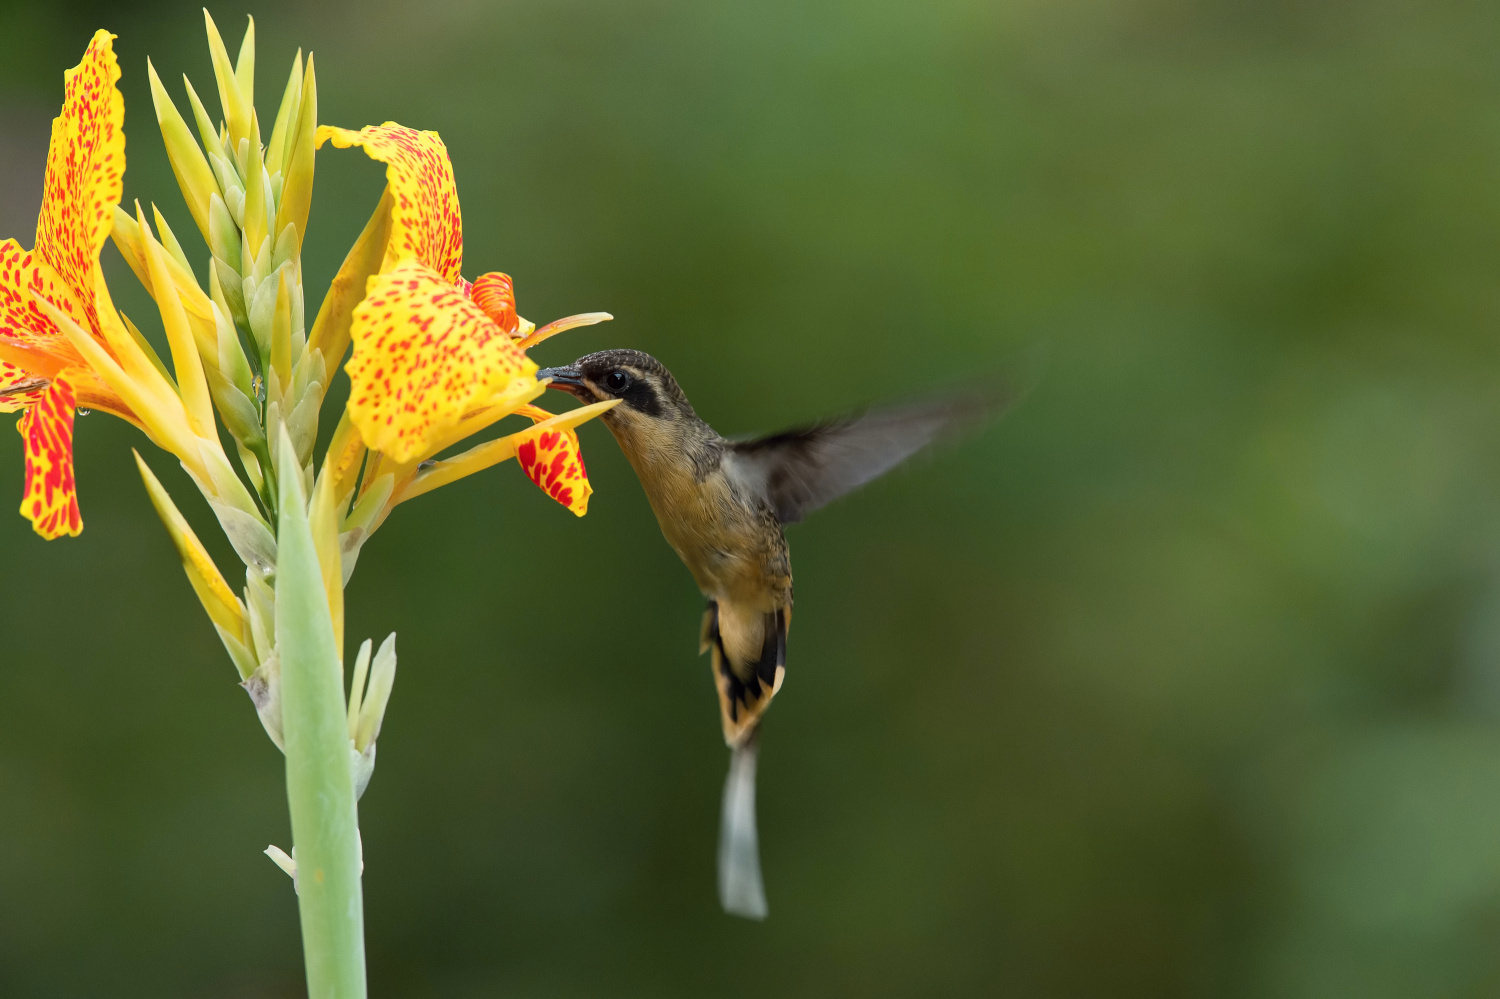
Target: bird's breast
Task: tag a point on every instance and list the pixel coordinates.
(733, 549)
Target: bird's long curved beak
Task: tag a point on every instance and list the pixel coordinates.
(566, 378)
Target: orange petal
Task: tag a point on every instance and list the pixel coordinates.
(85, 174)
(424, 355)
(425, 220)
(552, 459)
(495, 293)
(50, 501)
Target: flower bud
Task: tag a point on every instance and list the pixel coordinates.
(231, 355)
(234, 198)
(288, 246)
(260, 612)
(234, 102)
(367, 704)
(231, 288)
(286, 120)
(257, 191)
(264, 688)
(223, 235)
(194, 175)
(297, 176)
(213, 145)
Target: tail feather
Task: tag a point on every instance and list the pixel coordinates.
(741, 891)
(744, 695)
(745, 692)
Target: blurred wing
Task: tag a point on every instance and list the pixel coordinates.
(801, 470)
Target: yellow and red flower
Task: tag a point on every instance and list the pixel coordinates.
(41, 372)
(437, 358)
(62, 344)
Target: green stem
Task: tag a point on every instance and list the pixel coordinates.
(325, 823)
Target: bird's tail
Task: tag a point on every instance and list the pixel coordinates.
(741, 891)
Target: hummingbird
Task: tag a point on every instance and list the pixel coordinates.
(723, 505)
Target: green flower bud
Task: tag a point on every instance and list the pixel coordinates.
(231, 288)
(236, 104)
(194, 175)
(297, 182)
(213, 145)
(286, 119)
(223, 235)
(264, 688)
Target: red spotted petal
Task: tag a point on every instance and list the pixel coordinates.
(32, 349)
(425, 220)
(424, 355)
(552, 459)
(496, 295)
(85, 174)
(19, 388)
(51, 501)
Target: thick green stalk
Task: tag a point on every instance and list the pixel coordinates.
(325, 824)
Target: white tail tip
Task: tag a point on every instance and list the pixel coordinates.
(741, 891)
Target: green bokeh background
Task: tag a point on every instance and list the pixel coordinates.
(1182, 680)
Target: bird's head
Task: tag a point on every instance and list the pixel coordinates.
(648, 393)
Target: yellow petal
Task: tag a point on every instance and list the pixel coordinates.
(50, 501)
(425, 219)
(32, 347)
(490, 411)
(341, 463)
(490, 453)
(323, 521)
(193, 297)
(85, 171)
(121, 345)
(126, 232)
(424, 355)
(186, 364)
(330, 331)
(223, 607)
(151, 398)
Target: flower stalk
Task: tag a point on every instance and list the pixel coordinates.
(319, 783)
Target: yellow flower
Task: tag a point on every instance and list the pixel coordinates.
(436, 358)
(62, 344)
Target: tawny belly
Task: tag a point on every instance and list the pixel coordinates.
(728, 557)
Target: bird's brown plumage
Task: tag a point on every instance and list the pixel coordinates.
(729, 539)
(721, 505)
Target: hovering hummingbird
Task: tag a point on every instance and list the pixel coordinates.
(722, 505)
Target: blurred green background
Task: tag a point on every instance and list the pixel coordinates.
(1182, 680)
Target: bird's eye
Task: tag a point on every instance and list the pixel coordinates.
(617, 381)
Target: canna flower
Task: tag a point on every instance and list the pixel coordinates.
(62, 344)
(41, 373)
(437, 358)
